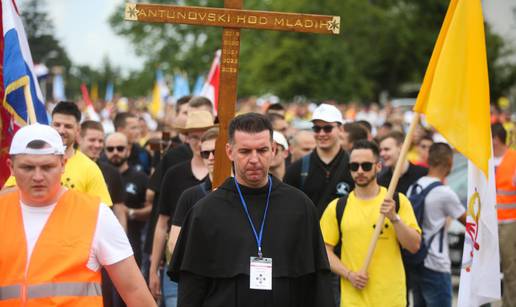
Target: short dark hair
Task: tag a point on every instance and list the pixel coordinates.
(498, 131)
(398, 136)
(439, 154)
(272, 117)
(367, 125)
(68, 108)
(427, 136)
(276, 106)
(200, 101)
(91, 124)
(210, 134)
(121, 119)
(355, 132)
(249, 123)
(181, 101)
(387, 125)
(365, 144)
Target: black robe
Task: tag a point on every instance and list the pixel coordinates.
(211, 257)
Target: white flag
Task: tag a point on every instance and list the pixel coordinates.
(480, 273)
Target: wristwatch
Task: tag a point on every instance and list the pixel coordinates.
(396, 219)
(130, 214)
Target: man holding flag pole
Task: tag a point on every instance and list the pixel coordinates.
(454, 97)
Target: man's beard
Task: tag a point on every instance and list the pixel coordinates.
(370, 179)
(117, 162)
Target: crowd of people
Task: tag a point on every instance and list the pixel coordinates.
(132, 197)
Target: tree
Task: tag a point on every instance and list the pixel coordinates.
(383, 45)
(45, 48)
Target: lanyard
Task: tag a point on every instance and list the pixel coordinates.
(257, 236)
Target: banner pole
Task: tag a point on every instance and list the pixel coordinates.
(392, 188)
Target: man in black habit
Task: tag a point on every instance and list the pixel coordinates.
(254, 241)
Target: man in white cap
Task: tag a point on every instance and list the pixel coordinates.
(278, 164)
(323, 174)
(54, 240)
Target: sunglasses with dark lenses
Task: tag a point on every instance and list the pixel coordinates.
(205, 154)
(366, 166)
(326, 129)
(112, 148)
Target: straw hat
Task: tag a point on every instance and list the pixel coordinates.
(197, 120)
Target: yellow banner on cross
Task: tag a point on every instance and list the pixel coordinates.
(454, 95)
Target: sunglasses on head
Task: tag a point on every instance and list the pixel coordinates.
(366, 166)
(326, 128)
(112, 148)
(205, 154)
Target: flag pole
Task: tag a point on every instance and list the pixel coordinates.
(392, 188)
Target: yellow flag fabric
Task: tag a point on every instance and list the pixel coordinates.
(94, 92)
(454, 95)
(155, 106)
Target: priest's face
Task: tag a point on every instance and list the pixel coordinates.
(251, 154)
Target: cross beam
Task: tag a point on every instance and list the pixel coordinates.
(232, 18)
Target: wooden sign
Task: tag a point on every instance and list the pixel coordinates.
(232, 18)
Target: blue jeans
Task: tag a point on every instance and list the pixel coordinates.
(168, 290)
(431, 288)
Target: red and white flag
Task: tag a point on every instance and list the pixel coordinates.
(210, 89)
(90, 110)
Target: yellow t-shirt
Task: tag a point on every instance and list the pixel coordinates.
(81, 174)
(386, 285)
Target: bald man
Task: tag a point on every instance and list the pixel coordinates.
(135, 184)
(302, 144)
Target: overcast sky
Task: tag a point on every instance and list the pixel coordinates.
(82, 28)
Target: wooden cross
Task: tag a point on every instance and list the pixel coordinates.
(232, 18)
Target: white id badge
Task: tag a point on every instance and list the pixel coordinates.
(260, 276)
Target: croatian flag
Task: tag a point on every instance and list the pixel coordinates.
(22, 101)
(210, 89)
(23, 98)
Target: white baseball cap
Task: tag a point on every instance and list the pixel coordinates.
(327, 113)
(280, 139)
(37, 132)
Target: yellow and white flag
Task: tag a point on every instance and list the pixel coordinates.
(454, 97)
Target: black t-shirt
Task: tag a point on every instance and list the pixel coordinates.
(413, 173)
(212, 253)
(320, 176)
(135, 185)
(113, 181)
(188, 199)
(139, 159)
(173, 157)
(176, 180)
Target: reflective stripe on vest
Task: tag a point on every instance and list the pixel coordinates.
(505, 206)
(10, 292)
(506, 192)
(52, 290)
(64, 289)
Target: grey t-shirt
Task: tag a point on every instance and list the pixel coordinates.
(440, 203)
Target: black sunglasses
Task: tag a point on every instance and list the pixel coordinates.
(326, 129)
(205, 154)
(118, 148)
(366, 166)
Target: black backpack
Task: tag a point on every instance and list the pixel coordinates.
(417, 199)
(339, 211)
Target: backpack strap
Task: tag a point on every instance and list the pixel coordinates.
(397, 201)
(305, 167)
(339, 213)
